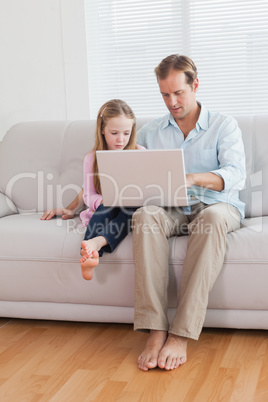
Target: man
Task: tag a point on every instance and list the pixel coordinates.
(215, 167)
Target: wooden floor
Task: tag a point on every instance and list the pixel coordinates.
(66, 361)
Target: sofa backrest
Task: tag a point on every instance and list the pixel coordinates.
(255, 137)
(41, 163)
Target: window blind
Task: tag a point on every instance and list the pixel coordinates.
(228, 42)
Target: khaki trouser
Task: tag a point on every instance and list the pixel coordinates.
(207, 227)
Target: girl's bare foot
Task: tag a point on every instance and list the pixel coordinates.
(173, 353)
(87, 248)
(88, 264)
(149, 357)
(90, 255)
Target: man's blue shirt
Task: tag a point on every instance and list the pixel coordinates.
(215, 145)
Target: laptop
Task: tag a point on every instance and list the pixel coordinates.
(135, 178)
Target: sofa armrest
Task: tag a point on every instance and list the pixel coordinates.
(7, 207)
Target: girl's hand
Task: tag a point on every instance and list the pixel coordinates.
(65, 214)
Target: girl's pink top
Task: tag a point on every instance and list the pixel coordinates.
(91, 198)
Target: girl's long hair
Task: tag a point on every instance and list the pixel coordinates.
(112, 108)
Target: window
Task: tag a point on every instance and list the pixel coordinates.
(228, 42)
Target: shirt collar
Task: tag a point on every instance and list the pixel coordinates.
(168, 120)
(202, 122)
(203, 118)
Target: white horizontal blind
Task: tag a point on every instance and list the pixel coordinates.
(126, 40)
(228, 41)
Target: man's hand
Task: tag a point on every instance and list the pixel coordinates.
(64, 212)
(190, 180)
(207, 180)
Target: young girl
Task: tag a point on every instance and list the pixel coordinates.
(106, 226)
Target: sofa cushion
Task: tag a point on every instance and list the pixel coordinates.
(41, 163)
(242, 282)
(39, 261)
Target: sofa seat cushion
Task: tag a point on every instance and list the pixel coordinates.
(39, 261)
(242, 283)
(245, 266)
(26, 237)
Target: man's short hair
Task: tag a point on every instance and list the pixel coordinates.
(178, 63)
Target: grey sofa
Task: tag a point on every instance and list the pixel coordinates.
(40, 278)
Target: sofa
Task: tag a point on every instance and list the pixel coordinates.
(40, 276)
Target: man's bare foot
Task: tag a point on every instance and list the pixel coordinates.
(149, 357)
(173, 353)
(88, 264)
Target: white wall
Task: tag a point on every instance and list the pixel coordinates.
(43, 66)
